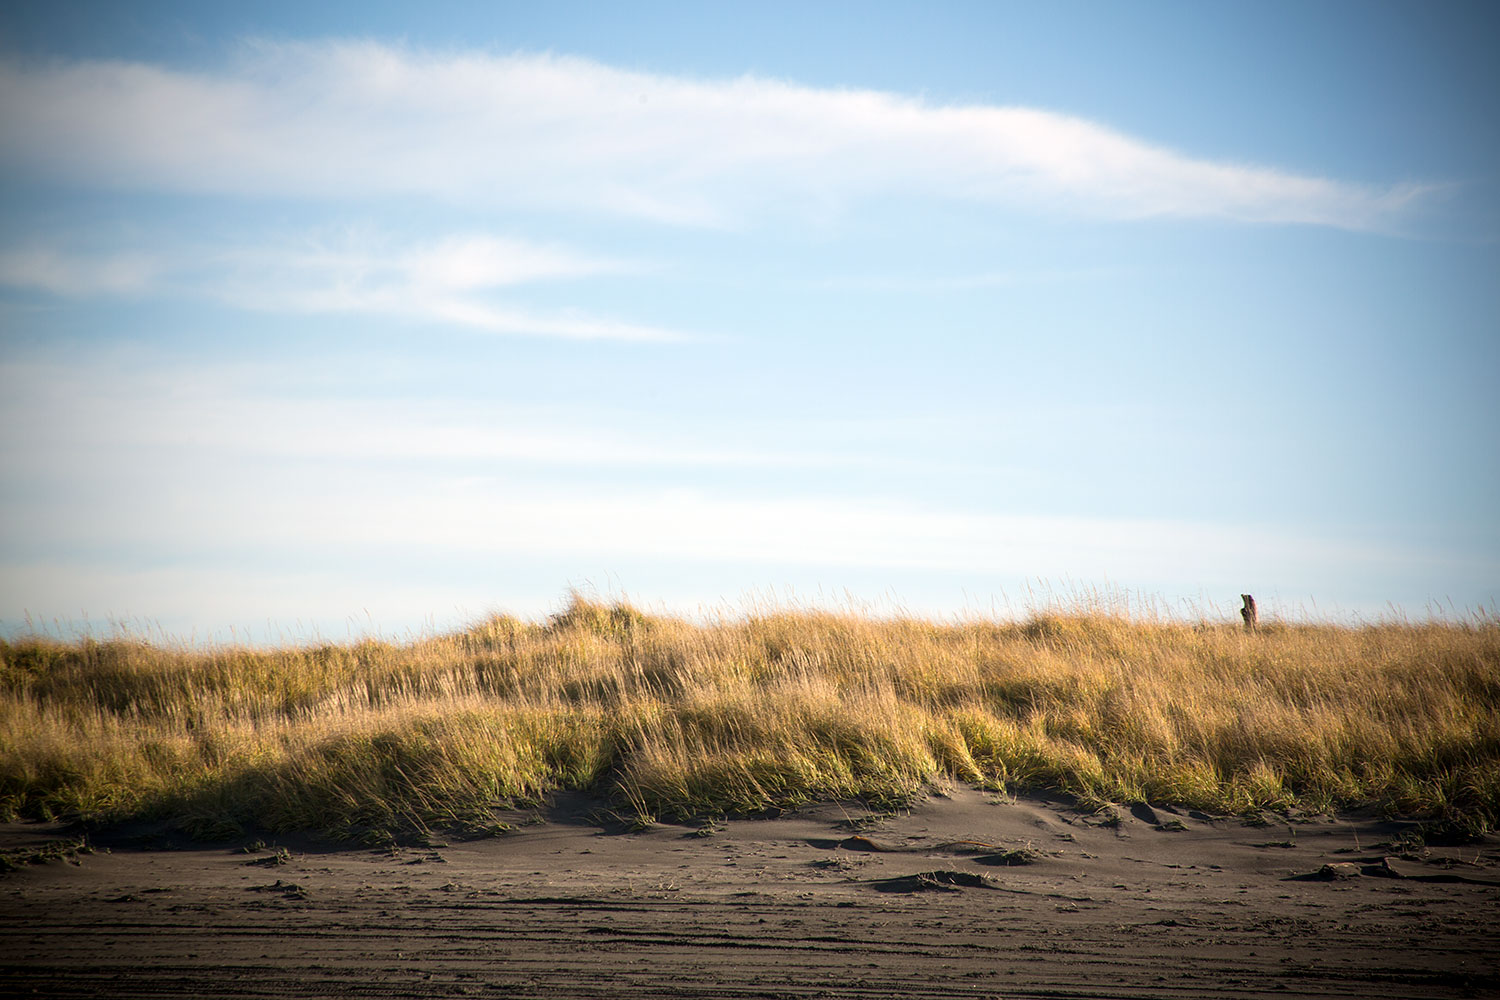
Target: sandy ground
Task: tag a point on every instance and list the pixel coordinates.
(822, 903)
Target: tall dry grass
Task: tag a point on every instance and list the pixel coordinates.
(672, 719)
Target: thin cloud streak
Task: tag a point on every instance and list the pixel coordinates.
(961, 282)
(74, 275)
(445, 281)
(478, 517)
(569, 326)
(298, 475)
(449, 281)
(100, 413)
(363, 119)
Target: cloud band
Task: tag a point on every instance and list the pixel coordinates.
(353, 119)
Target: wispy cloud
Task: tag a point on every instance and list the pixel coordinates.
(327, 512)
(446, 281)
(893, 282)
(451, 280)
(114, 407)
(355, 119)
(313, 475)
(75, 274)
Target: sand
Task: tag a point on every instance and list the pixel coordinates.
(967, 895)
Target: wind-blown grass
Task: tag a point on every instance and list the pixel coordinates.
(672, 719)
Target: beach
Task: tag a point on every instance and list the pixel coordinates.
(967, 894)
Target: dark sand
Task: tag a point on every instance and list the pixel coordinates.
(1169, 904)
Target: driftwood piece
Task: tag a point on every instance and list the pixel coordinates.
(1248, 612)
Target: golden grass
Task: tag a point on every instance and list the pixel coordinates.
(672, 719)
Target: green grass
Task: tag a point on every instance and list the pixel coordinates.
(670, 719)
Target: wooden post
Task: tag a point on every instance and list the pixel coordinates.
(1248, 612)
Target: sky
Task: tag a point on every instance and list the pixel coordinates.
(319, 321)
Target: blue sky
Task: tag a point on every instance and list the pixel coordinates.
(381, 317)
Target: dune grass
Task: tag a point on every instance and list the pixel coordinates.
(670, 719)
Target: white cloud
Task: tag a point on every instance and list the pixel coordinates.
(74, 274)
(450, 280)
(570, 325)
(962, 282)
(443, 281)
(460, 262)
(281, 474)
(188, 495)
(57, 417)
(353, 119)
(327, 515)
